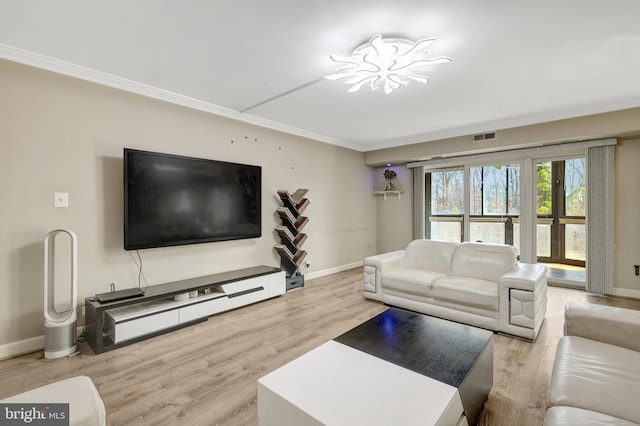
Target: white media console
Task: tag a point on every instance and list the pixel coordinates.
(174, 305)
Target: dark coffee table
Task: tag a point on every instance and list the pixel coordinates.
(400, 367)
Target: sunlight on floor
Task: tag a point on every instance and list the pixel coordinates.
(566, 275)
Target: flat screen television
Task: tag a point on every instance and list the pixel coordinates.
(172, 200)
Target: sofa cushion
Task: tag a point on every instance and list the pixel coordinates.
(429, 255)
(596, 376)
(484, 261)
(570, 416)
(409, 282)
(465, 290)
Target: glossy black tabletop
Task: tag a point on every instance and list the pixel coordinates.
(443, 350)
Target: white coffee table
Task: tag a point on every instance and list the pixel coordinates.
(398, 368)
(335, 384)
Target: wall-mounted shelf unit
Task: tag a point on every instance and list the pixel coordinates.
(291, 236)
(386, 193)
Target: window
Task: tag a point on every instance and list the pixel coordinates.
(494, 204)
(561, 207)
(445, 205)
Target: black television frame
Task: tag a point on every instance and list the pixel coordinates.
(137, 245)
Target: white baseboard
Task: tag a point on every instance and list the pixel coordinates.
(625, 292)
(325, 272)
(27, 346)
(20, 347)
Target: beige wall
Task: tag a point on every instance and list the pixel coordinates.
(394, 214)
(63, 134)
(627, 214)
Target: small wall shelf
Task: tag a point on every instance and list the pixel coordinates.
(385, 193)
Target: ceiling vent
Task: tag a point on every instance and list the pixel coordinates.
(484, 137)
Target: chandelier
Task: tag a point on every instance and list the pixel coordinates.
(386, 62)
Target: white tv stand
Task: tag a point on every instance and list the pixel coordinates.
(168, 307)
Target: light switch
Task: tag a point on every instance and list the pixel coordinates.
(60, 199)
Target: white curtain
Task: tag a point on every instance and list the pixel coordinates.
(600, 218)
(418, 203)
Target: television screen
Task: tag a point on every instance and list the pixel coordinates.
(173, 200)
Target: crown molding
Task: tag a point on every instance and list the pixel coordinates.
(88, 74)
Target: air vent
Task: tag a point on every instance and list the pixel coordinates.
(484, 137)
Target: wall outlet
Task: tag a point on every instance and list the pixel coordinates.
(60, 199)
(636, 271)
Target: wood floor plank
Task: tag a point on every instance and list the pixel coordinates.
(206, 374)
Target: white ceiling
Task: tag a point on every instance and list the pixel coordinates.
(515, 62)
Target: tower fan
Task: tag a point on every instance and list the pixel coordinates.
(60, 333)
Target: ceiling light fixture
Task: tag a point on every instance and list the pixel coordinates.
(386, 62)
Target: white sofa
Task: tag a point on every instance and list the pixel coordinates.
(596, 375)
(473, 283)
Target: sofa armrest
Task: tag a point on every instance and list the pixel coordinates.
(386, 261)
(607, 324)
(525, 276)
(85, 405)
(523, 300)
(375, 266)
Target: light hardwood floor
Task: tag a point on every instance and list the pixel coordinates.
(206, 374)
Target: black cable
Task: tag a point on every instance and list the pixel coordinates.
(140, 271)
(139, 268)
